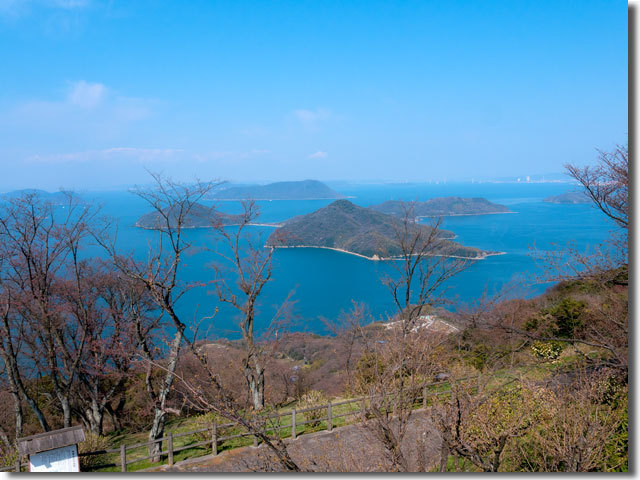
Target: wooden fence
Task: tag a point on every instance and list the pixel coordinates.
(289, 424)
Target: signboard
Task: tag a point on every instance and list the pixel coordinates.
(63, 459)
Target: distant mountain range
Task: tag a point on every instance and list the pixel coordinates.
(57, 198)
(200, 216)
(302, 190)
(569, 198)
(442, 206)
(345, 226)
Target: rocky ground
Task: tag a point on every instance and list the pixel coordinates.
(353, 448)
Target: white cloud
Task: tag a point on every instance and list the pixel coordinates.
(89, 110)
(87, 95)
(319, 155)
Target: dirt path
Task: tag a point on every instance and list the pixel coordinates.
(352, 448)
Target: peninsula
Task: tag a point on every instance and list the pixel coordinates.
(302, 190)
(362, 231)
(443, 207)
(200, 216)
(569, 198)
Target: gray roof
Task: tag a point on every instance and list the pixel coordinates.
(50, 440)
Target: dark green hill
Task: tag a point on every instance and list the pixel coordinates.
(303, 190)
(443, 206)
(363, 231)
(200, 216)
(573, 198)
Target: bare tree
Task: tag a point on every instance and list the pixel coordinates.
(607, 183)
(106, 300)
(173, 206)
(251, 264)
(40, 244)
(585, 417)
(426, 261)
(480, 427)
(405, 356)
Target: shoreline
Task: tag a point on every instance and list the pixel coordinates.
(463, 214)
(272, 225)
(214, 199)
(376, 258)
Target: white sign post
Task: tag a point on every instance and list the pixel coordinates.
(55, 451)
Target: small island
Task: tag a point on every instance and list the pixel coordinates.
(361, 231)
(302, 190)
(569, 198)
(200, 216)
(59, 198)
(443, 207)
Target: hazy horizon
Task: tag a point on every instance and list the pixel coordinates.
(257, 92)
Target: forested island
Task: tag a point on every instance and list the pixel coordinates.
(199, 216)
(302, 190)
(347, 227)
(569, 198)
(442, 206)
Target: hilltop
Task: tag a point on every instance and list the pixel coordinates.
(345, 226)
(572, 198)
(200, 216)
(56, 198)
(302, 190)
(443, 206)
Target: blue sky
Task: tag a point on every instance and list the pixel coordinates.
(92, 93)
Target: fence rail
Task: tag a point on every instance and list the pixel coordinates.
(291, 420)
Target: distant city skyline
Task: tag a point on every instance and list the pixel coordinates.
(95, 93)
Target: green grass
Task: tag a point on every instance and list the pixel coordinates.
(535, 372)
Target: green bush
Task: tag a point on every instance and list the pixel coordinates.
(567, 315)
(479, 356)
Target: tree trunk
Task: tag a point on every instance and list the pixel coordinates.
(157, 431)
(95, 417)
(255, 381)
(160, 415)
(17, 407)
(36, 410)
(66, 411)
(115, 413)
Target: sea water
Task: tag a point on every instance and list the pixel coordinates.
(321, 284)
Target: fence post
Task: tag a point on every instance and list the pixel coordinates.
(424, 396)
(170, 448)
(362, 410)
(214, 438)
(329, 417)
(18, 464)
(293, 424)
(123, 458)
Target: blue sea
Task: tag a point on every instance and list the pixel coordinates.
(323, 283)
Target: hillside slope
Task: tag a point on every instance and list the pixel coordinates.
(303, 190)
(343, 225)
(443, 206)
(200, 216)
